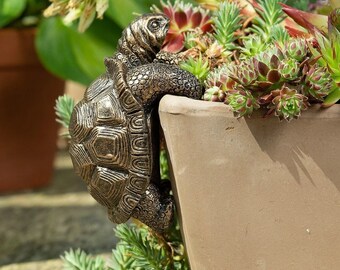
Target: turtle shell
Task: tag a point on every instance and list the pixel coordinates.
(111, 146)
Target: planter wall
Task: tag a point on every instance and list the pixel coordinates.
(28, 129)
(255, 193)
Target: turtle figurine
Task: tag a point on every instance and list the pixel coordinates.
(114, 136)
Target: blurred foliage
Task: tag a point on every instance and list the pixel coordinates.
(21, 13)
(73, 55)
(62, 49)
(10, 10)
(300, 4)
(63, 109)
(79, 56)
(138, 248)
(164, 165)
(80, 260)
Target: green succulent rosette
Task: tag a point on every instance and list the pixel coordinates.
(288, 103)
(296, 49)
(242, 102)
(317, 83)
(289, 69)
(214, 94)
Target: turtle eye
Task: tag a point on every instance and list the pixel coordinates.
(154, 25)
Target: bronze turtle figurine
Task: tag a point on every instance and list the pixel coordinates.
(114, 135)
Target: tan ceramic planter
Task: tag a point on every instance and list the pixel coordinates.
(255, 193)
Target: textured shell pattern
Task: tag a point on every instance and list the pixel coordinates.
(110, 148)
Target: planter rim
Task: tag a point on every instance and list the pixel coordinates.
(183, 105)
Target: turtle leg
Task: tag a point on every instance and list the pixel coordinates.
(155, 210)
(150, 82)
(168, 58)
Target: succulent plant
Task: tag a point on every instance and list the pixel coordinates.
(296, 49)
(317, 83)
(289, 69)
(205, 46)
(220, 77)
(218, 84)
(288, 103)
(252, 45)
(198, 67)
(334, 18)
(265, 60)
(214, 94)
(326, 46)
(269, 14)
(183, 18)
(225, 22)
(242, 102)
(246, 73)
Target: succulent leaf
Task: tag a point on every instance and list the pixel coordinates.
(263, 68)
(333, 97)
(310, 21)
(273, 76)
(242, 102)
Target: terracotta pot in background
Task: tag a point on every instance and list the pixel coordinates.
(28, 130)
(255, 193)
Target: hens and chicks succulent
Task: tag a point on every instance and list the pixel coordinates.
(246, 57)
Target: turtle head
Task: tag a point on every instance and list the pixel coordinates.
(157, 26)
(144, 36)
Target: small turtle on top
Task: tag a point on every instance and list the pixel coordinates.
(114, 145)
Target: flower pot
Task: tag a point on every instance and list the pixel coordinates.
(255, 193)
(28, 129)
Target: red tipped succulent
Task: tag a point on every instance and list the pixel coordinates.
(183, 18)
(310, 21)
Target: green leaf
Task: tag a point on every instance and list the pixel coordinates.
(332, 98)
(10, 10)
(122, 12)
(73, 55)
